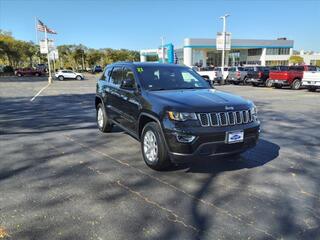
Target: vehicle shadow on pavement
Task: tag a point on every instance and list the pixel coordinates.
(250, 159)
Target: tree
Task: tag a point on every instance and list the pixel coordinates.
(296, 59)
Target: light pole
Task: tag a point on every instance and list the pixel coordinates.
(162, 49)
(224, 38)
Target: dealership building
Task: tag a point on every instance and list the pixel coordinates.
(202, 52)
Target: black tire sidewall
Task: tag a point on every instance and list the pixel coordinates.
(163, 159)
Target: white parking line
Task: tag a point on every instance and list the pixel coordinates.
(42, 89)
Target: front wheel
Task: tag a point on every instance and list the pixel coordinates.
(268, 83)
(79, 77)
(296, 84)
(153, 147)
(102, 119)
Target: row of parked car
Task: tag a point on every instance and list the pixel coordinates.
(294, 77)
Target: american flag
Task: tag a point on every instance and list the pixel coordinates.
(42, 28)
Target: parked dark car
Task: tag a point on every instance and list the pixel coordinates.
(28, 72)
(97, 69)
(173, 112)
(257, 75)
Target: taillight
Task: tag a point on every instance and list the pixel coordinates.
(260, 74)
(238, 74)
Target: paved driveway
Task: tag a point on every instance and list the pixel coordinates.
(60, 178)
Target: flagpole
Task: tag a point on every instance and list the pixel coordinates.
(35, 24)
(49, 68)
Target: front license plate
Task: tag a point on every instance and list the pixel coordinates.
(234, 137)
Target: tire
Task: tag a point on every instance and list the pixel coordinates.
(278, 86)
(37, 74)
(102, 119)
(236, 82)
(296, 84)
(245, 81)
(158, 157)
(255, 84)
(268, 83)
(19, 75)
(312, 89)
(61, 78)
(78, 77)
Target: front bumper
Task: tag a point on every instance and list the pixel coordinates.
(210, 141)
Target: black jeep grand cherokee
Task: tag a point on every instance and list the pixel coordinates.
(174, 113)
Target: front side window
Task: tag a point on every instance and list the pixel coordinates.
(116, 77)
(168, 78)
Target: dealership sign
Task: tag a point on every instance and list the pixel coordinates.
(220, 41)
(44, 47)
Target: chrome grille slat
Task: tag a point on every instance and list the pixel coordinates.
(225, 118)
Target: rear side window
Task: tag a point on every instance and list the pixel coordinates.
(296, 68)
(312, 68)
(240, 69)
(116, 77)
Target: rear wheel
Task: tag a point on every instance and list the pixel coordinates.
(103, 122)
(61, 78)
(154, 151)
(255, 84)
(296, 84)
(245, 81)
(268, 83)
(19, 75)
(278, 86)
(37, 74)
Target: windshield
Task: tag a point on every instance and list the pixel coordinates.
(155, 78)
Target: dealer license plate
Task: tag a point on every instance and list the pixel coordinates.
(235, 137)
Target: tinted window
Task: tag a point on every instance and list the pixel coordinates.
(128, 75)
(240, 69)
(249, 69)
(106, 74)
(116, 76)
(312, 68)
(166, 78)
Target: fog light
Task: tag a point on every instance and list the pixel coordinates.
(185, 138)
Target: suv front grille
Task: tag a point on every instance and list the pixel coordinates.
(222, 119)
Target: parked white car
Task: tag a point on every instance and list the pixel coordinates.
(224, 71)
(68, 74)
(210, 73)
(311, 80)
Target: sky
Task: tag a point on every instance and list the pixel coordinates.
(140, 24)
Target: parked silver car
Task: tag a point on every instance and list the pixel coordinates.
(237, 75)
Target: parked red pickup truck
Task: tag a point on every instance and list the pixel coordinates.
(28, 72)
(289, 76)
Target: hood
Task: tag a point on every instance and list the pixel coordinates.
(203, 100)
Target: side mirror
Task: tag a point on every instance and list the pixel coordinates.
(128, 84)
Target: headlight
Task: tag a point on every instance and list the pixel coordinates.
(254, 113)
(179, 116)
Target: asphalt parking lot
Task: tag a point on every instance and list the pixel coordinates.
(60, 178)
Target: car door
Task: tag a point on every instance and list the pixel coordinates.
(129, 99)
(113, 91)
